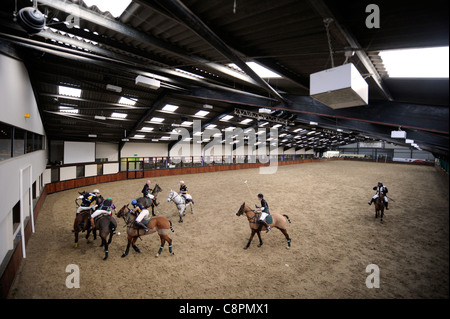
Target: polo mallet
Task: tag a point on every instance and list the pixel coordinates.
(248, 188)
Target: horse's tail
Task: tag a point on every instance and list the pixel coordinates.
(171, 228)
(287, 217)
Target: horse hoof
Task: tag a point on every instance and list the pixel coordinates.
(75, 245)
(157, 255)
(287, 247)
(124, 255)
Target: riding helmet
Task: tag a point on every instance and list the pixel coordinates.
(260, 195)
(133, 202)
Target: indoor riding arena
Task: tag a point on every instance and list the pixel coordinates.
(311, 135)
(333, 230)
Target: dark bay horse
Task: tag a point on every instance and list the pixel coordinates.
(158, 224)
(147, 202)
(105, 224)
(82, 222)
(379, 206)
(279, 221)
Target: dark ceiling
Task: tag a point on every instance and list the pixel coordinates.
(161, 39)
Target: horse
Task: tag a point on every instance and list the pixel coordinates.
(158, 224)
(147, 202)
(279, 221)
(379, 206)
(181, 203)
(105, 224)
(82, 222)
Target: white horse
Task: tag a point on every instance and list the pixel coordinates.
(181, 202)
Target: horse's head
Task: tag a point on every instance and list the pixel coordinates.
(241, 210)
(171, 195)
(123, 211)
(82, 193)
(157, 189)
(99, 199)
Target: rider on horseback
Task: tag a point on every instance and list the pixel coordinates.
(146, 190)
(143, 214)
(380, 189)
(104, 208)
(88, 200)
(183, 189)
(264, 209)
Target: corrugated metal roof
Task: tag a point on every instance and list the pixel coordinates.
(288, 36)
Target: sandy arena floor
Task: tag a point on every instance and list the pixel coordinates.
(333, 230)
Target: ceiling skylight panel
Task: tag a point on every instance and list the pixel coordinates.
(417, 63)
(127, 101)
(115, 7)
(69, 91)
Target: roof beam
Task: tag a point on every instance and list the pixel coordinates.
(120, 28)
(322, 9)
(183, 13)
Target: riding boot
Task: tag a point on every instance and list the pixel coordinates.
(371, 201)
(265, 224)
(386, 204)
(141, 225)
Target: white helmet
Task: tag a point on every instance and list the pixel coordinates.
(96, 191)
(181, 182)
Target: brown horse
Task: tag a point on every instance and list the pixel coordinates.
(379, 206)
(158, 224)
(105, 225)
(82, 222)
(279, 221)
(147, 202)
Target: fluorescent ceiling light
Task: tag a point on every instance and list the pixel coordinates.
(139, 135)
(65, 90)
(92, 135)
(115, 7)
(262, 71)
(165, 138)
(202, 113)
(100, 117)
(417, 63)
(68, 109)
(187, 123)
(226, 118)
(246, 121)
(211, 126)
(169, 108)
(119, 115)
(147, 129)
(127, 101)
(157, 119)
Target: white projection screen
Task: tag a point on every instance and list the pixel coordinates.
(79, 152)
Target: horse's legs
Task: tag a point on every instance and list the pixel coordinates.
(259, 236)
(180, 212)
(169, 240)
(136, 249)
(163, 241)
(284, 231)
(128, 247)
(250, 239)
(76, 239)
(192, 207)
(105, 244)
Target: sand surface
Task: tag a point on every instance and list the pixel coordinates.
(334, 238)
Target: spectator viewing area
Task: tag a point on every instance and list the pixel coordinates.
(323, 125)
